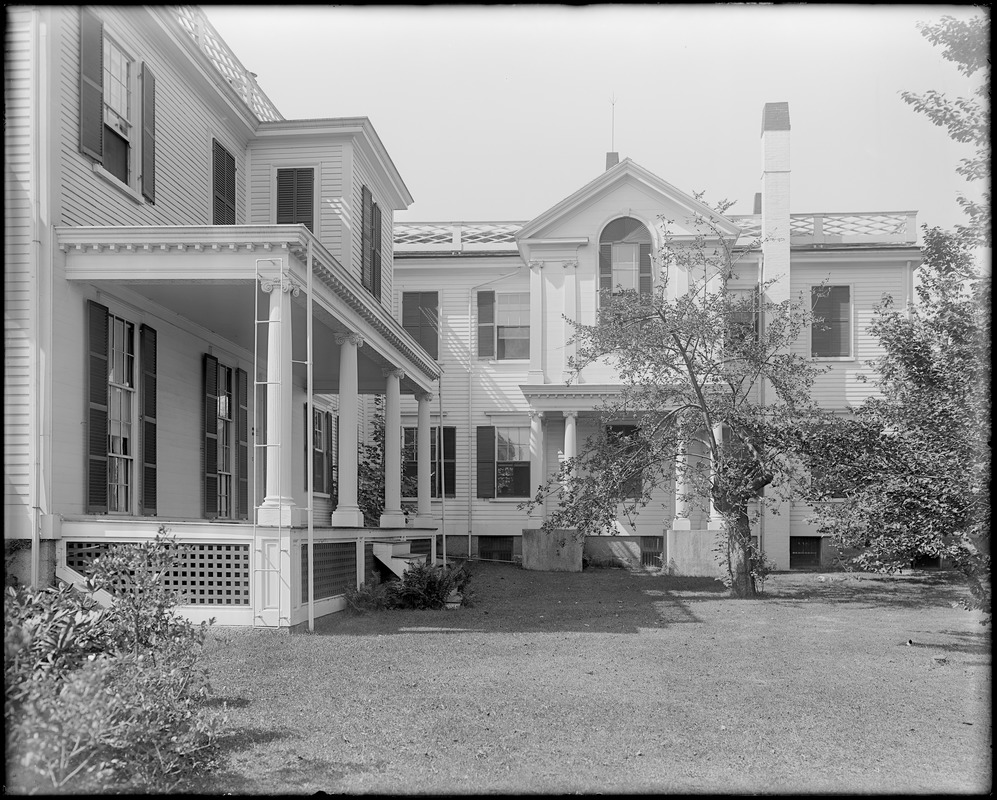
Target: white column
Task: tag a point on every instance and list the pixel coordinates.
(570, 435)
(570, 315)
(348, 513)
(536, 516)
(278, 506)
(424, 448)
(537, 355)
(682, 505)
(716, 520)
(393, 517)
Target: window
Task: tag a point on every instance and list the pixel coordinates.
(625, 257)
(117, 108)
(225, 452)
(744, 315)
(223, 185)
(626, 439)
(322, 447)
(831, 331)
(410, 461)
(503, 461)
(804, 552)
(504, 325)
(420, 318)
(121, 391)
(295, 197)
(371, 244)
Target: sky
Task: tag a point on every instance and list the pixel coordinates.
(499, 112)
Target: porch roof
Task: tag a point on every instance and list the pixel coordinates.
(224, 263)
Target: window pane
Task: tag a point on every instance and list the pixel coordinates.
(625, 260)
(830, 334)
(513, 342)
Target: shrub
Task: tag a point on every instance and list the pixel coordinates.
(369, 597)
(99, 699)
(429, 586)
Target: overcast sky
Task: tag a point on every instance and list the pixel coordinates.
(498, 113)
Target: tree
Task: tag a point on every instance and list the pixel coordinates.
(967, 44)
(692, 368)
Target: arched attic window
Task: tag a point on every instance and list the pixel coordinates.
(625, 257)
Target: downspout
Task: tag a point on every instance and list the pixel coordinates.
(309, 434)
(471, 361)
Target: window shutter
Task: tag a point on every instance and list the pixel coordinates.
(242, 438)
(209, 452)
(449, 460)
(376, 248)
(486, 324)
(148, 134)
(645, 281)
(486, 461)
(223, 181)
(91, 85)
(295, 194)
(605, 267)
(330, 450)
(97, 409)
(147, 344)
(367, 254)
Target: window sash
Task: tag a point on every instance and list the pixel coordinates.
(120, 415)
(830, 332)
(512, 462)
(117, 89)
(410, 459)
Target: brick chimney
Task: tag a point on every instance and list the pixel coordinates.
(612, 159)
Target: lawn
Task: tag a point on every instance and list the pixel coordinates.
(611, 682)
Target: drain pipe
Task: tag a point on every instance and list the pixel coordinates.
(471, 360)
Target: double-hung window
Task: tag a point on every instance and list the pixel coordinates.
(121, 415)
(503, 462)
(504, 325)
(420, 319)
(443, 453)
(831, 329)
(117, 108)
(225, 450)
(625, 439)
(322, 449)
(743, 316)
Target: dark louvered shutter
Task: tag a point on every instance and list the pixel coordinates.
(605, 267)
(223, 182)
(242, 437)
(645, 282)
(91, 85)
(486, 324)
(376, 250)
(295, 197)
(486, 461)
(367, 239)
(147, 344)
(97, 408)
(148, 134)
(449, 461)
(209, 452)
(330, 444)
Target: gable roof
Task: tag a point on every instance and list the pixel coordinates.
(624, 171)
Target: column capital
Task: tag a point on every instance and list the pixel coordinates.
(393, 373)
(570, 263)
(424, 397)
(570, 414)
(536, 263)
(536, 415)
(353, 338)
(284, 280)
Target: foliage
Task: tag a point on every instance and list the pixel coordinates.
(705, 384)
(913, 464)
(370, 471)
(105, 698)
(967, 44)
(423, 586)
(11, 547)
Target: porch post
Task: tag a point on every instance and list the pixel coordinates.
(716, 520)
(277, 509)
(424, 456)
(538, 359)
(536, 515)
(393, 516)
(570, 438)
(348, 513)
(682, 504)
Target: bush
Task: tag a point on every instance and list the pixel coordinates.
(99, 699)
(369, 597)
(422, 586)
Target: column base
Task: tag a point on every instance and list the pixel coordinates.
(347, 518)
(282, 516)
(681, 524)
(392, 519)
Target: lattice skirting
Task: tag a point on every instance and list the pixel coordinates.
(206, 574)
(335, 569)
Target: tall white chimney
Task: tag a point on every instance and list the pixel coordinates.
(775, 198)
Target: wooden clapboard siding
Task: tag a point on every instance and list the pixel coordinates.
(870, 281)
(20, 300)
(186, 121)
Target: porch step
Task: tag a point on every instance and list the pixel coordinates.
(397, 556)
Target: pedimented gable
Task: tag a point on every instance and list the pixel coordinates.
(625, 189)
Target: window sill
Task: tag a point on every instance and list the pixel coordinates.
(832, 359)
(516, 500)
(124, 188)
(503, 361)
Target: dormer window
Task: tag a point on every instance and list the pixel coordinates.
(625, 257)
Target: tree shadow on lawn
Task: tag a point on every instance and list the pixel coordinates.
(510, 599)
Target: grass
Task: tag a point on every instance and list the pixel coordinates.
(612, 682)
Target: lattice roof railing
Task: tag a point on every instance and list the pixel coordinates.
(456, 236)
(193, 20)
(887, 227)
